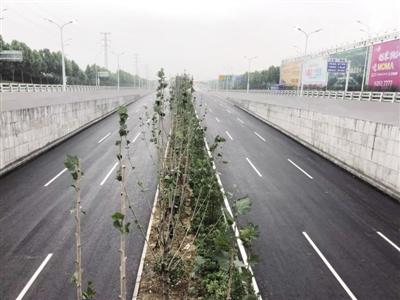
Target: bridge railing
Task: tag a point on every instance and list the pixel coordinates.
(27, 87)
(360, 96)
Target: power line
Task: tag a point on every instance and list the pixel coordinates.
(105, 45)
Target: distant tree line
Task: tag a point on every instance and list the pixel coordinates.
(264, 79)
(44, 66)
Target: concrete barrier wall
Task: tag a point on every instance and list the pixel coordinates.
(367, 149)
(28, 132)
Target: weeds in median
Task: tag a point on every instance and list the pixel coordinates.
(196, 254)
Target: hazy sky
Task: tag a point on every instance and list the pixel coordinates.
(205, 37)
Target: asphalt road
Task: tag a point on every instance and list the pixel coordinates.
(35, 219)
(318, 224)
(13, 101)
(383, 112)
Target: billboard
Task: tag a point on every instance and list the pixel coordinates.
(315, 72)
(11, 55)
(384, 66)
(337, 65)
(290, 73)
(356, 59)
(103, 74)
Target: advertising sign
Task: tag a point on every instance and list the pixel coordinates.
(356, 59)
(384, 67)
(290, 73)
(11, 55)
(103, 74)
(315, 72)
(337, 65)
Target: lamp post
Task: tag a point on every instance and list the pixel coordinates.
(2, 10)
(61, 27)
(118, 56)
(307, 36)
(368, 32)
(249, 60)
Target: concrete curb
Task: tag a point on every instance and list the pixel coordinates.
(23, 160)
(143, 256)
(389, 191)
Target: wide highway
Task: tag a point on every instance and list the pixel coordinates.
(37, 228)
(323, 233)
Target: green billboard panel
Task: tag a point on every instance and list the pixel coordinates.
(356, 57)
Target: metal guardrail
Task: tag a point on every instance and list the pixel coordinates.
(26, 87)
(360, 96)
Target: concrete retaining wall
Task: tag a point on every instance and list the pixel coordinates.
(28, 132)
(367, 149)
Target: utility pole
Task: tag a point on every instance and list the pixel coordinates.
(137, 70)
(105, 44)
(146, 67)
(61, 27)
(249, 59)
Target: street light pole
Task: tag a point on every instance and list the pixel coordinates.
(118, 56)
(307, 36)
(368, 32)
(61, 27)
(2, 10)
(249, 59)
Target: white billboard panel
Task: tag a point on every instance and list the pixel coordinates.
(11, 55)
(315, 72)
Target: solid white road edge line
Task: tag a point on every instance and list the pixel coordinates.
(217, 120)
(309, 176)
(227, 133)
(55, 177)
(134, 140)
(329, 266)
(239, 242)
(255, 169)
(261, 138)
(389, 241)
(102, 139)
(143, 256)
(109, 173)
(242, 250)
(240, 120)
(34, 276)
